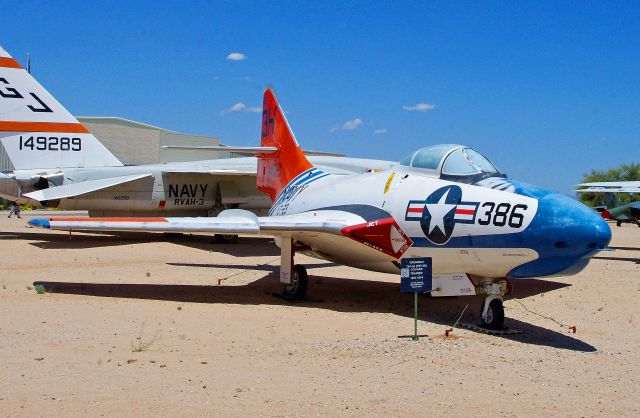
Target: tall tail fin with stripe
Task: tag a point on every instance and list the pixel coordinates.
(276, 170)
(38, 132)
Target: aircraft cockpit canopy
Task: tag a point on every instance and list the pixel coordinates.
(452, 162)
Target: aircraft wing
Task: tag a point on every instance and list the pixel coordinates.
(610, 187)
(609, 190)
(80, 188)
(382, 234)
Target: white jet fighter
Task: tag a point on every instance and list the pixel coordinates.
(58, 163)
(446, 202)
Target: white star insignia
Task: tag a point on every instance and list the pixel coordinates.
(438, 211)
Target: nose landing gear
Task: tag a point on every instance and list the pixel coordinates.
(492, 310)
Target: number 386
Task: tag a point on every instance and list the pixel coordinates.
(502, 214)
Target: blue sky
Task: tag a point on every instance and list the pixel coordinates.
(547, 91)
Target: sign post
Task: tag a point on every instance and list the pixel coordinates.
(415, 277)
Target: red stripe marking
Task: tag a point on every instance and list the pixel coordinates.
(415, 210)
(108, 220)
(9, 62)
(74, 128)
(465, 211)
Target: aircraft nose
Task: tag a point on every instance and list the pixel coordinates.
(585, 231)
(575, 229)
(565, 233)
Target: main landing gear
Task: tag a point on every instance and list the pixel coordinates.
(294, 277)
(225, 239)
(297, 288)
(492, 310)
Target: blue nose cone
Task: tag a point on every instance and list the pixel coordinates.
(565, 233)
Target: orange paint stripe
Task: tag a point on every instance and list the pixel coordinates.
(9, 62)
(75, 128)
(108, 220)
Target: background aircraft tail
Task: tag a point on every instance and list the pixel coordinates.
(36, 131)
(276, 170)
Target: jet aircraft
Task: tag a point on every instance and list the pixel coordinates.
(626, 213)
(58, 163)
(447, 202)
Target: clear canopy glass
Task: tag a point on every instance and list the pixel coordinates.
(450, 159)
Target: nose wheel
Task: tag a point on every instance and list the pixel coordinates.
(492, 312)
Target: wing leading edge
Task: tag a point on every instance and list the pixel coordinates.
(383, 235)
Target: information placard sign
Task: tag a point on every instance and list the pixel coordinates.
(416, 274)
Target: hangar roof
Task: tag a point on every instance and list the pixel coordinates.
(117, 121)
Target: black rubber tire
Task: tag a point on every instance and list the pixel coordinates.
(618, 223)
(495, 315)
(171, 235)
(297, 289)
(225, 239)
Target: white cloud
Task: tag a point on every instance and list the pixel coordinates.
(245, 78)
(237, 56)
(420, 107)
(380, 131)
(241, 107)
(352, 124)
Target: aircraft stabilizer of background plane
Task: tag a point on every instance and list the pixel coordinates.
(480, 228)
(58, 163)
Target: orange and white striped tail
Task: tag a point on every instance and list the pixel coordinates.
(276, 170)
(36, 131)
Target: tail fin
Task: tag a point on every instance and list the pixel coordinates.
(38, 132)
(276, 170)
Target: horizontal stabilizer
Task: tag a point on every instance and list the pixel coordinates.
(77, 189)
(246, 150)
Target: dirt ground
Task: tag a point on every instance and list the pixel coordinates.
(145, 325)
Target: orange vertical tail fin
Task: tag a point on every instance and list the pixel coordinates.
(276, 170)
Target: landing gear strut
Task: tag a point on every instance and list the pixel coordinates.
(294, 277)
(492, 310)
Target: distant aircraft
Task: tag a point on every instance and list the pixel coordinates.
(59, 164)
(610, 187)
(627, 213)
(445, 201)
